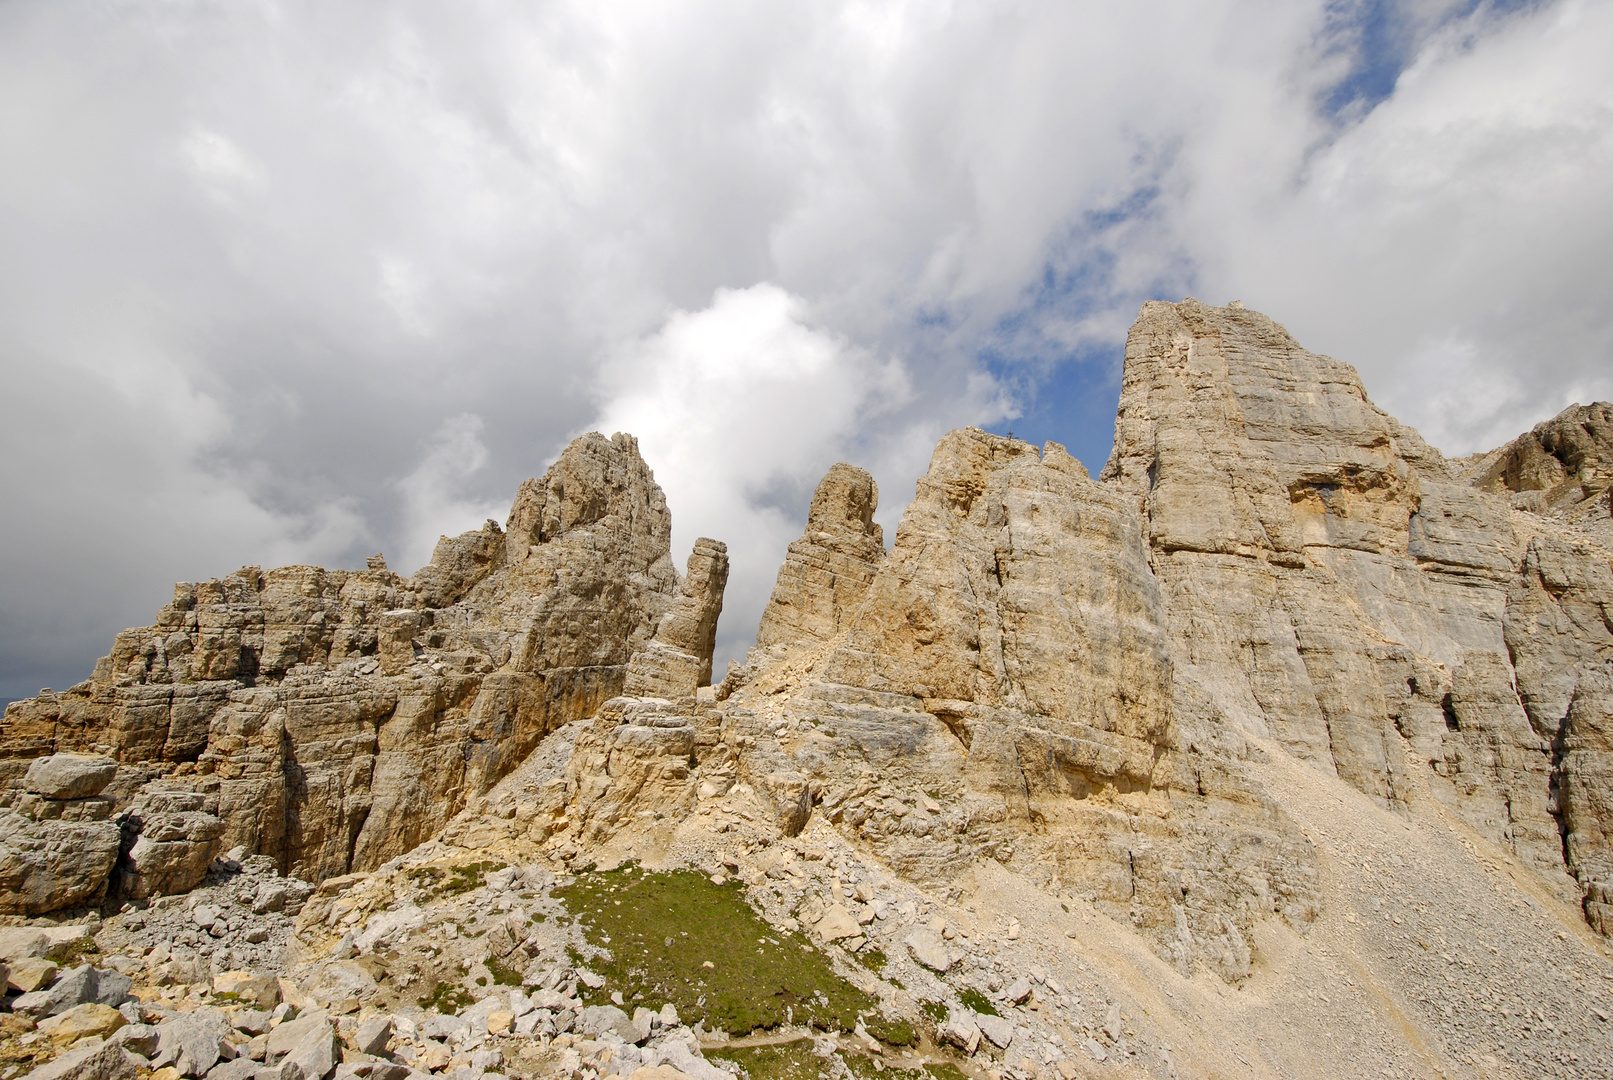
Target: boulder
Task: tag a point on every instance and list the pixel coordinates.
(30, 974)
(22, 942)
(98, 1060)
(192, 1043)
(928, 949)
(372, 1035)
(315, 1055)
(602, 1019)
(48, 865)
(172, 854)
(69, 776)
(90, 1020)
(75, 987)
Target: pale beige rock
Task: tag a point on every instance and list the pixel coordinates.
(677, 660)
(827, 572)
(90, 1020)
(69, 776)
(48, 865)
(334, 719)
(31, 973)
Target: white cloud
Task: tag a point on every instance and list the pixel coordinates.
(433, 493)
(740, 408)
(249, 254)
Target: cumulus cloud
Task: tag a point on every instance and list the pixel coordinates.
(281, 282)
(741, 407)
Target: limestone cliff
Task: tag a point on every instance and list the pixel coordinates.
(334, 719)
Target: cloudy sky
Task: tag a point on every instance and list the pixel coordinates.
(297, 282)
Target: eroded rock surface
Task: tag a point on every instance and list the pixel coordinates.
(334, 719)
(827, 572)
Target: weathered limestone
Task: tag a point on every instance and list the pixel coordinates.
(1563, 469)
(677, 660)
(333, 719)
(48, 865)
(827, 572)
(1333, 582)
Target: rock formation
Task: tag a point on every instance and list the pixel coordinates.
(1283, 700)
(827, 572)
(333, 719)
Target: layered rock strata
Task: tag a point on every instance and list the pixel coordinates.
(827, 572)
(1333, 582)
(333, 719)
(1069, 675)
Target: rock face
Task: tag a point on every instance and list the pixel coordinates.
(1333, 582)
(827, 572)
(1563, 468)
(333, 719)
(1066, 675)
(677, 660)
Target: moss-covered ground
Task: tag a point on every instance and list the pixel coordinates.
(679, 938)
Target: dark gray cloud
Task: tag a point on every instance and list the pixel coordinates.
(297, 282)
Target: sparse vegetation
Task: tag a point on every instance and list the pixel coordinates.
(503, 974)
(974, 999)
(447, 999)
(681, 939)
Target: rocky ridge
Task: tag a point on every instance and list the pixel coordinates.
(1283, 748)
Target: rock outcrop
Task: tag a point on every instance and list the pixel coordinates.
(827, 572)
(333, 719)
(1333, 582)
(1562, 468)
(677, 660)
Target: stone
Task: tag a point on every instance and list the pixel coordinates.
(192, 1043)
(241, 1068)
(315, 1055)
(172, 854)
(69, 776)
(74, 987)
(137, 1038)
(372, 1035)
(90, 1020)
(838, 923)
(959, 1031)
(49, 865)
(600, 1019)
(998, 1030)
(826, 575)
(30, 974)
(21, 943)
(285, 1038)
(928, 949)
(98, 1060)
(1018, 991)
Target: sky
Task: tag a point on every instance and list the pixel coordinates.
(287, 282)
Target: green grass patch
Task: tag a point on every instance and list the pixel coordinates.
(891, 1032)
(447, 999)
(873, 959)
(974, 999)
(785, 1061)
(68, 953)
(935, 1010)
(463, 879)
(945, 1070)
(503, 974)
(663, 929)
